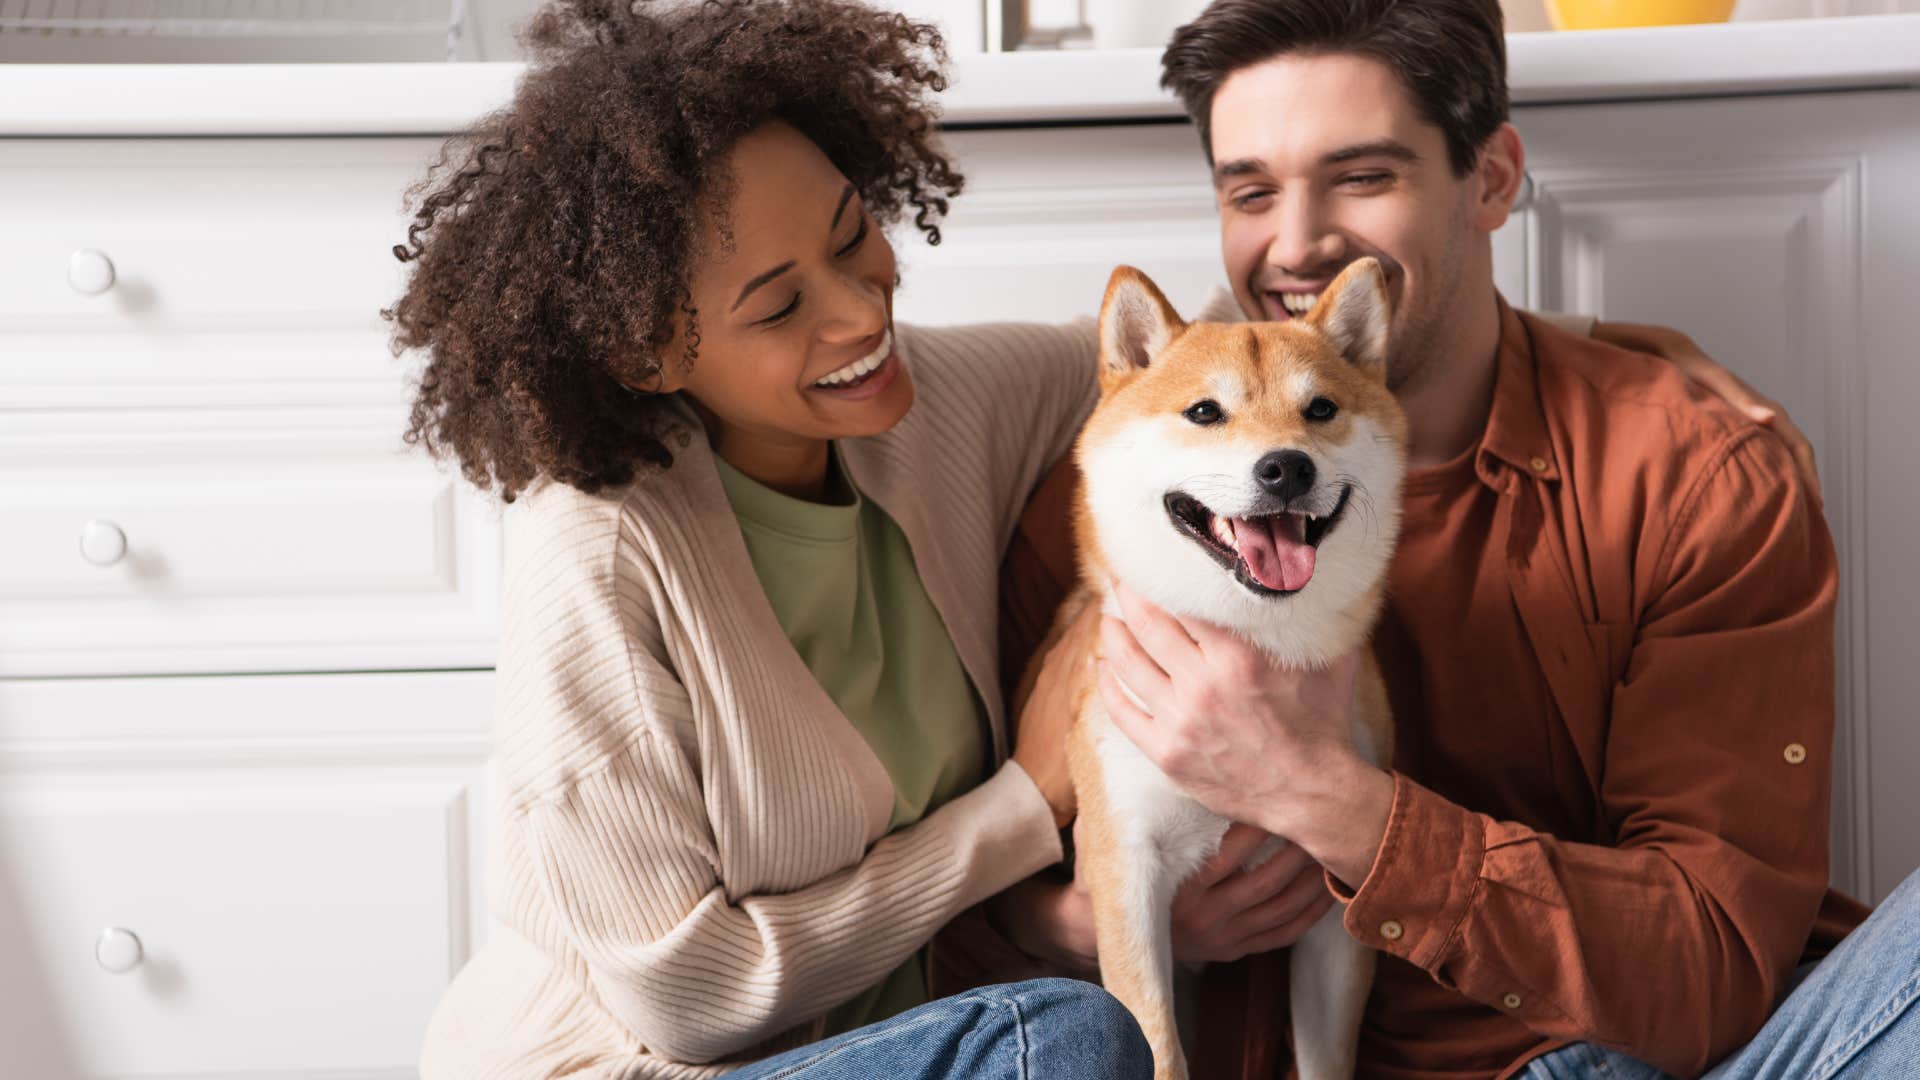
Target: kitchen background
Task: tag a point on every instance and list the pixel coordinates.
(246, 642)
(109, 31)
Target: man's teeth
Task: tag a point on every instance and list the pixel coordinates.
(859, 368)
(1299, 303)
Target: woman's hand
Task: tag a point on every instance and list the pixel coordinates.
(1048, 709)
(1222, 913)
(1687, 355)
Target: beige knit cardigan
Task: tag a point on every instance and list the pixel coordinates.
(691, 862)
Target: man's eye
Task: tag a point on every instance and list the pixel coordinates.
(1204, 413)
(1321, 409)
(1366, 179)
(1251, 201)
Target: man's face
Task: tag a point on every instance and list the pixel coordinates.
(1322, 159)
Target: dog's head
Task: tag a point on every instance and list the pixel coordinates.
(1248, 474)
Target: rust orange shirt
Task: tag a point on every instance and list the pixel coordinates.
(1609, 647)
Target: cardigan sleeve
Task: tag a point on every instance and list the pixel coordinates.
(626, 859)
(605, 800)
(1020, 390)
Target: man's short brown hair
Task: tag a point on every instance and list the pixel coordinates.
(1450, 54)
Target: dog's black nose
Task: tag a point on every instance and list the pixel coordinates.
(1285, 473)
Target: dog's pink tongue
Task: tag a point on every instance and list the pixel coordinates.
(1277, 555)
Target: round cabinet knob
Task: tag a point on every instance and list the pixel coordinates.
(118, 950)
(102, 543)
(90, 272)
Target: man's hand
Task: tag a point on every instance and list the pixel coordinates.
(1246, 738)
(1222, 913)
(1687, 355)
(1048, 707)
(1225, 911)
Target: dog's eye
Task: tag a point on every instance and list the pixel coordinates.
(1321, 409)
(1204, 413)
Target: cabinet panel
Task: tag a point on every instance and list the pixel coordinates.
(245, 896)
(1047, 215)
(218, 261)
(276, 538)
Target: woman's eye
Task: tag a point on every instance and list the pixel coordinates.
(1321, 409)
(783, 312)
(1204, 413)
(859, 236)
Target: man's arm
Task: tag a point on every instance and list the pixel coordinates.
(1674, 942)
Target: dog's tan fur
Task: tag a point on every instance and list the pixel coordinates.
(1184, 364)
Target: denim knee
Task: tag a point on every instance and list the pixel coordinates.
(1090, 1019)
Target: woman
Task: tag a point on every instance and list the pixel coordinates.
(751, 751)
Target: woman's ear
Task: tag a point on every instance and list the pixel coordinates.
(1500, 173)
(648, 374)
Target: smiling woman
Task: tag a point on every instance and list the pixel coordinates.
(752, 752)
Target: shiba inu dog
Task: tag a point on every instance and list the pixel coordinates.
(1247, 475)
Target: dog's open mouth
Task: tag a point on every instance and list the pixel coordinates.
(1271, 554)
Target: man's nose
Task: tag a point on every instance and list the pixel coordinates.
(1304, 244)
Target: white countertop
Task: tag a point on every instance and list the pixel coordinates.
(989, 88)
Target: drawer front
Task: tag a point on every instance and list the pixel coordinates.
(243, 907)
(133, 264)
(163, 541)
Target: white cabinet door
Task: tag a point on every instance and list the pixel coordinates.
(235, 877)
(1046, 216)
(1781, 233)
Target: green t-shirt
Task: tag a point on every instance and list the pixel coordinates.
(842, 581)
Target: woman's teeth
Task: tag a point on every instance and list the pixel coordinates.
(860, 368)
(1299, 303)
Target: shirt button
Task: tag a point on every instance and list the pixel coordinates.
(1511, 1001)
(1538, 464)
(1794, 753)
(1392, 930)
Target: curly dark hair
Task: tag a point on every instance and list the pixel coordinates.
(551, 242)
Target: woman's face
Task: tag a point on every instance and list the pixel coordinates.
(792, 283)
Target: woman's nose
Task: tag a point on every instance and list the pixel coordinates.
(859, 310)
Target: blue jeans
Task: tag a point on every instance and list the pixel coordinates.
(1853, 1015)
(1046, 1029)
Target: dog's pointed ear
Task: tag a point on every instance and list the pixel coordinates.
(1136, 321)
(1354, 312)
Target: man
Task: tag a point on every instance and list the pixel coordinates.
(1602, 849)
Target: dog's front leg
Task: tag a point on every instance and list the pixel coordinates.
(1330, 975)
(1132, 914)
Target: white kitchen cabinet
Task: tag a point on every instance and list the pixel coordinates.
(236, 876)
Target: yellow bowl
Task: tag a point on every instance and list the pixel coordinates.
(1611, 14)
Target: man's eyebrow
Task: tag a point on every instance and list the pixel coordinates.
(1386, 148)
(759, 281)
(845, 198)
(1246, 166)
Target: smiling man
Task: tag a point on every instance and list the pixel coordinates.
(1602, 847)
